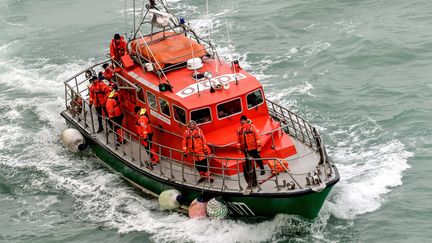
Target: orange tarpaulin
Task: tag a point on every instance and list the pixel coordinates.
(171, 50)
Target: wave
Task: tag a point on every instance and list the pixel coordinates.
(370, 161)
(370, 165)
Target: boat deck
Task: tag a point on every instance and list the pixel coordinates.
(180, 172)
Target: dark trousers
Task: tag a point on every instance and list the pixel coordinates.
(118, 120)
(249, 167)
(149, 140)
(255, 154)
(201, 166)
(149, 145)
(250, 173)
(99, 114)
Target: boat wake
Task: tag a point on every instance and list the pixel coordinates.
(370, 161)
(370, 164)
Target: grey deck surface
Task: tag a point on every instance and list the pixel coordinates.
(300, 164)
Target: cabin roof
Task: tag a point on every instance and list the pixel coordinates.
(167, 48)
(185, 87)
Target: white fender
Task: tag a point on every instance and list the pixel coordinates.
(169, 199)
(73, 140)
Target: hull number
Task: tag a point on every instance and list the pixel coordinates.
(240, 208)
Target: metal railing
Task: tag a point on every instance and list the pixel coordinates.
(174, 166)
(300, 129)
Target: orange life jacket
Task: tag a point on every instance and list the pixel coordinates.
(195, 142)
(276, 167)
(248, 137)
(113, 107)
(117, 51)
(108, 73)
(98, 93)
(143, 128)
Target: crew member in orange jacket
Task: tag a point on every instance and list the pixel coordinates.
(249, 141)
(118, 47)
(115, 114)
(145, 131)
(98, 95)
(108, 73)
(143, 126)
(195, 142)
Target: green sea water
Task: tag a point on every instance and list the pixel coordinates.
(359, 70)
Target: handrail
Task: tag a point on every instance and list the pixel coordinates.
(309, 132)
(85, 70)
(234, 142)
(290, 122)
(161, 146)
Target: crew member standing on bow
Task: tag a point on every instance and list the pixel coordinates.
(195, 143)
(118, 48)
(249, 141)
(115, 114)
(98, 96)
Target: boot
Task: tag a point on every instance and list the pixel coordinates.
(209, 177)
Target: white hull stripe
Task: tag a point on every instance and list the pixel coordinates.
(143, 81)
(160, 117)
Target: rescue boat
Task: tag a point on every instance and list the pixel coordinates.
(177, 76)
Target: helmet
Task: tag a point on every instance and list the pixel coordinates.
(143, 111)
(113, 94)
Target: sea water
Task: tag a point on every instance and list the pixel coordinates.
(359, 70)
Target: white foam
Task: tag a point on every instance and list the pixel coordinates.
(314, 48)
(369, 167)
(368, 172)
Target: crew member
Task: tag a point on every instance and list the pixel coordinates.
(195, 143)
(144, 127)
(118, 48)
(98, 95)
(115, 114)
(145, 132)
(108, 73)
(248, 141)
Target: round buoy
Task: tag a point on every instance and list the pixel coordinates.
(197, 209)
(216, 209)
(168, 199)
(73, 140)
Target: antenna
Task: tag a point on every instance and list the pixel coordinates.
(134, 14)
(126, 20)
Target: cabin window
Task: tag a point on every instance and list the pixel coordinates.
(179, 114)
(132, 97)
(254, 99)
(229, 108)
(140, 95)
(201, 116)
(164, 107)
(152, 100)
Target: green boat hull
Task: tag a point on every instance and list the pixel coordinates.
(305, 203)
